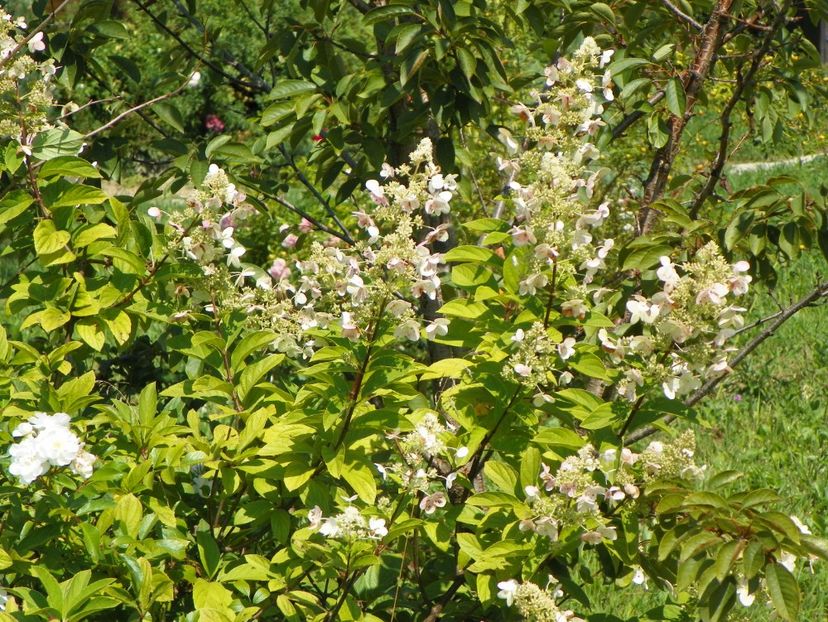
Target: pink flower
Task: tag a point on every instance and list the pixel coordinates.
(290, 240)
(213, 123)
(305, 226)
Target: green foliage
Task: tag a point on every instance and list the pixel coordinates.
(443, 391)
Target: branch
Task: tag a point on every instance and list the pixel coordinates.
(726, 124)
(634, 116)
(31, 35)
(248, 89)
(820, 291)
(693, 80)
(287, 204)
(317, 195)
(146, 104)
(682, 15)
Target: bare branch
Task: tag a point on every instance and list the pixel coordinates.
(682, 15)
(146, 104)
(742, 84)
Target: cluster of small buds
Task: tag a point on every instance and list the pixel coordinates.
(425, 441)
(533, 603)
(45, 442)
(348, 525)
(25, 83)
(536, 356)
(671, 460)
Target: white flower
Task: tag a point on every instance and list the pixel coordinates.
(377, 192)
(349, 329)
(639, 578)
(803, 528)
(329, 528)
(521, 236)
(667, 274)
(641, 309)
(315, 517)
(788, 560)
(519, 335)
(743, 592)
(154, 212)
(531, 284)
(566, 348)
(462, 452)
(438, 328)
(195, 79)
(532, 492)
(410, 329)
(439, 203)
(430, 503)
(377, 527)
(387, 171)
(523, 370)
(606, 85)
(713, 295)
(583, 85)
(83, 464)
(507, 592)
(606, 56)
(36, 43)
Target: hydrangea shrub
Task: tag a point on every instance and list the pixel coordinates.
(406, 416)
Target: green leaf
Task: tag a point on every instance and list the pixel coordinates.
(405, 34)
(210, 595)
(463, 308)
(360, 476)
(87, 235)
(291, 88)
(783, 590)
(446, 368)
(47, 240)
(55, 143)
(502, 476)
(675, 96)
(274, 113)
(470, 275)
(91, 333)
(603, 12)
(384, 13)
(589, 364)
(170, 115)
(208, 552)
(75, 194)
(467, 62)
(68, 166)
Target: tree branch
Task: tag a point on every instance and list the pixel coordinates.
(692, 81)
(741, 85)
(682, 15)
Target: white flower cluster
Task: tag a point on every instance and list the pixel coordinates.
(25, 83)
(45, 442)
(690, 318)
(347, 525)
(534, 603)
(587, 479)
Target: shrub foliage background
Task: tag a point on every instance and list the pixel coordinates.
(392, 345)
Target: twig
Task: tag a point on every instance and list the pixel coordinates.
(146, 104)
(86, 105)
(247, 88)
(634, 116)
(31, 35)
(287, 204)
(682, 15)
(820, 291)
(317, 195)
